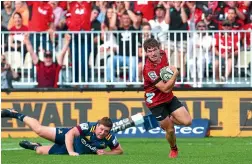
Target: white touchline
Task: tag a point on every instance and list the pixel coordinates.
(9, 149)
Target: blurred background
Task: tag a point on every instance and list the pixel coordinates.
(209, 42)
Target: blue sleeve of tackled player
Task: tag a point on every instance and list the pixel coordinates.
(113, 142)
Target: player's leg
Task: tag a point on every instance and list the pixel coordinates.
(175, 121)
(182, 116)
(35, 146)
(162, 115)
(168, 125)
(179, 113)
(43, 150)
(46, 132)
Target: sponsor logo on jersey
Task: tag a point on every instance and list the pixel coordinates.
(152, 75)
(84, 142)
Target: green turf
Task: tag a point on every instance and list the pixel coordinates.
(145, 151)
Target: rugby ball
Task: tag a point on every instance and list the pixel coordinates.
(166, 73)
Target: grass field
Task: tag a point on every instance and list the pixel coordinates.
(144, 151)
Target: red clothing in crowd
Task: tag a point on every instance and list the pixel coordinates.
(22, 28)
(197, 15)
(248, 34)
(147, 9)
(241, 7)
(237, 25)
(42, 16)
(47, 76)
(78, 16)
(224, 43)
(63, 5)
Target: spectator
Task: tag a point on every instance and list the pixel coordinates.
(57, 12)
(146, 34)
(136, 21)
(199, 52)
(102, 5)
(195, 14)
(139, 19)
(217, 9)
(7, 74)
(78, 19)
(41, 21)
(177, 17)
(247, 36)
(209, 20)
(6, 13)
(95, 26)
(233, 19)
(4, 40)
(127, 50)
(17, 39)
(20, 7)
(145, 7)
(249, 15)
(120, 10)
(47, 71)
(240, 8)
(110, 45)
(226, 46)
(159, 24)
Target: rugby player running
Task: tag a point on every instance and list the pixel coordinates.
(158, 94)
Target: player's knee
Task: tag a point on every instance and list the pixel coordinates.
(38, 130)
(170, 131)
(188, 122)
(167, 124)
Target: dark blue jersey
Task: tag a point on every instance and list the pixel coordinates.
(86, 143)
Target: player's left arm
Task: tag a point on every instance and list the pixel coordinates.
(115, 147)
(166, 87)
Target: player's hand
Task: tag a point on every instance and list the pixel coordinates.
(100, 152)
(174, 70)
(73, 154)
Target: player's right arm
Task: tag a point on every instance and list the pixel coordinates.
(81, 129)
(166, 87)
(69, 139)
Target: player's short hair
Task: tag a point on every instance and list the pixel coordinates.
(150, 43)
(105, 121)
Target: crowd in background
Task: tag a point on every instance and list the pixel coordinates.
(155, 16)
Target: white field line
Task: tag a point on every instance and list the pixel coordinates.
(10, 149)
(16, 148)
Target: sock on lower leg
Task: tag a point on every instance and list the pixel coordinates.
(174, 147)
(19, 116)
(35, 147)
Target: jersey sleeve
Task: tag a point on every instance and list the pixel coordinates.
(113, 142)
(83, 128)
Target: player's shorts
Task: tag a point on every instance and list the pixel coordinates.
(163, 110)
(59, 147)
